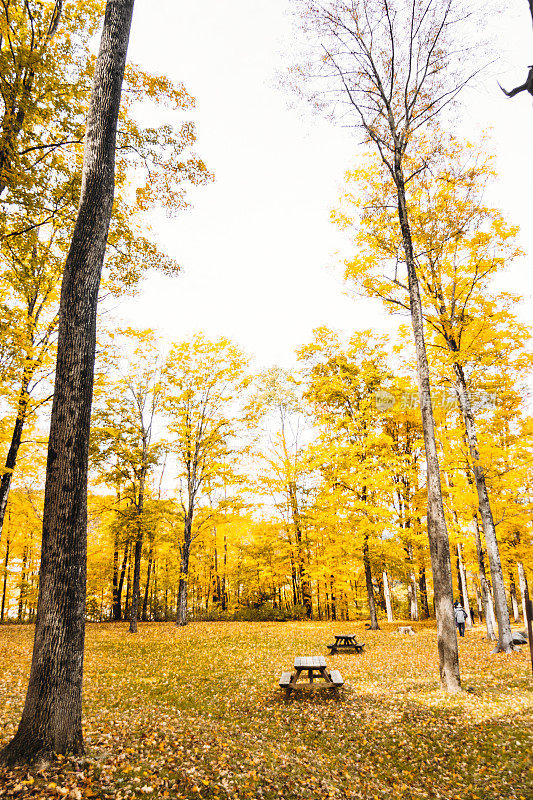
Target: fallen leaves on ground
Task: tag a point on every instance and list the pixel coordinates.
(196, 712)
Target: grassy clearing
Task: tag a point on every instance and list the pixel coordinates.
(197, 713)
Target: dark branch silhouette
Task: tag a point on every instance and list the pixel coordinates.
(527, 86)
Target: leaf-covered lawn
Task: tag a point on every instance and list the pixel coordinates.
(197, 713)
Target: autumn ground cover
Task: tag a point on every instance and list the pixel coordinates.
(196, 712)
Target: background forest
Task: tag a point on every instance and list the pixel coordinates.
(281, 495)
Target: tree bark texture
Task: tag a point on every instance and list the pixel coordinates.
(374, 625)
(422, 585)
(487, 521)
(181, 616)
(439, 545)
(51, 719)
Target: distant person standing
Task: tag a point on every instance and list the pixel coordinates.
(460, 617)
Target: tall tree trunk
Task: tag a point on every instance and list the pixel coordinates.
(181, 616)
(6, 562)
(117, 597)
(439, 545)
(115, 576)
(14, 446)
(216, 576)
(144, 614)
(128, 584)
(505, 643)
(23, 587)
(136, 587)
(388, 603)
(369, 587)
(224, 591)
(52, 716)
(464, 587)
(422, 585)
(381, 592)
(412, 592)
(295, 596)
(485, 588)
(414, 598)
(514, 599)
(305, 583)
(479, 600)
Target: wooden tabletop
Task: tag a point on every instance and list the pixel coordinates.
(344, 636)
(309, 662)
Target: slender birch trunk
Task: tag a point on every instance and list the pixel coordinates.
(413, 595)
(387, 593)
(52, 715)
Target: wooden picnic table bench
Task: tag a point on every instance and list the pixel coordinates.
(344, 642)
(318, 676)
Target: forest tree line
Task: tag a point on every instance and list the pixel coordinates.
(284, 494)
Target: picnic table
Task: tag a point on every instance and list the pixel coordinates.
(344, 642)
(318, 676)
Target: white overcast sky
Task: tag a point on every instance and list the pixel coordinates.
(258, 250)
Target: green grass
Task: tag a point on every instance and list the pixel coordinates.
(197, 713)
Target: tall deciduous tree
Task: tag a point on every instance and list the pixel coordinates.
(52, 715)
(278, 403)
(392, 67)
(205, 383)
(342, 383)
(124, 446)
(459, 245)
